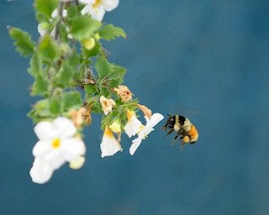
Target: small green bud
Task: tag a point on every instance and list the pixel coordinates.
(88, 43)
(97, 37)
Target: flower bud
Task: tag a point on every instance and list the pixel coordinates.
(77, 163)
(116, 126)
(88, 43)
(97, 37)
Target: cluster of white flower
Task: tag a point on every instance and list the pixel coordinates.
(59, 142)
(110, 145)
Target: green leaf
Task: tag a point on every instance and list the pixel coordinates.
(95, 105)
(40, 85)
(73, 11)
(45, 6)
(72, 100)
(103, 67)
(73, 59)
(117, 76)
(40, 111)
(110, 32)
(23, 42)
(84, 27)
(41, 17)
(35, 65)
(90, 89)
(48, 48)
(104, 91)
(55, 106)
(64, 76)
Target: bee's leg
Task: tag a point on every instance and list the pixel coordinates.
(173, 143)
(170, 131)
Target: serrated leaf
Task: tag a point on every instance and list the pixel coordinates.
(110, 32)
(90, 89)
(64, 76)
(40, 111)
(35, 65)
(23, 42)
(40, 85)
(55, 107)
(84, 27)
(103, 67)
(46, 6)
(72, 100)
(117, 76)
(48, 48)
(42, 17)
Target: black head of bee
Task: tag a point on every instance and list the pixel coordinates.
(170, 122)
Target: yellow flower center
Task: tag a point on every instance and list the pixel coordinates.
(97, 3)
(56, 143)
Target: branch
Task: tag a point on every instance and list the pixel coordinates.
(60, 14)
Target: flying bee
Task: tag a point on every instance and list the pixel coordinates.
(183, 128)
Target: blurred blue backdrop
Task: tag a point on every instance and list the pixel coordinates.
(207, 59)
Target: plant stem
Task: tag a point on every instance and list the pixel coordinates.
(60, 14)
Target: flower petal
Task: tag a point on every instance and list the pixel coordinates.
(109, 146)
(44, 130)
(40, 172)
(133, 125)
(73, 148)
(86, 10)
(136, 143)
(154, 120)
(41, 148)
(77, 163)
(86, 1)
(110, 4)
(54, 159)
(64, 127)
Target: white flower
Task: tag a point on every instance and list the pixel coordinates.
(145, 130)
(109, 145)
(133, 125)
(56, 146)
(97, 8)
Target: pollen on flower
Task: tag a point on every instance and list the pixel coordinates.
(108, 132)
(56, 143)
(129, 114)
(97, 3)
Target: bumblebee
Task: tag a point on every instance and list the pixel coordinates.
(183, 128)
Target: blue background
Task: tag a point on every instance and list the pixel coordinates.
(207, 59)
